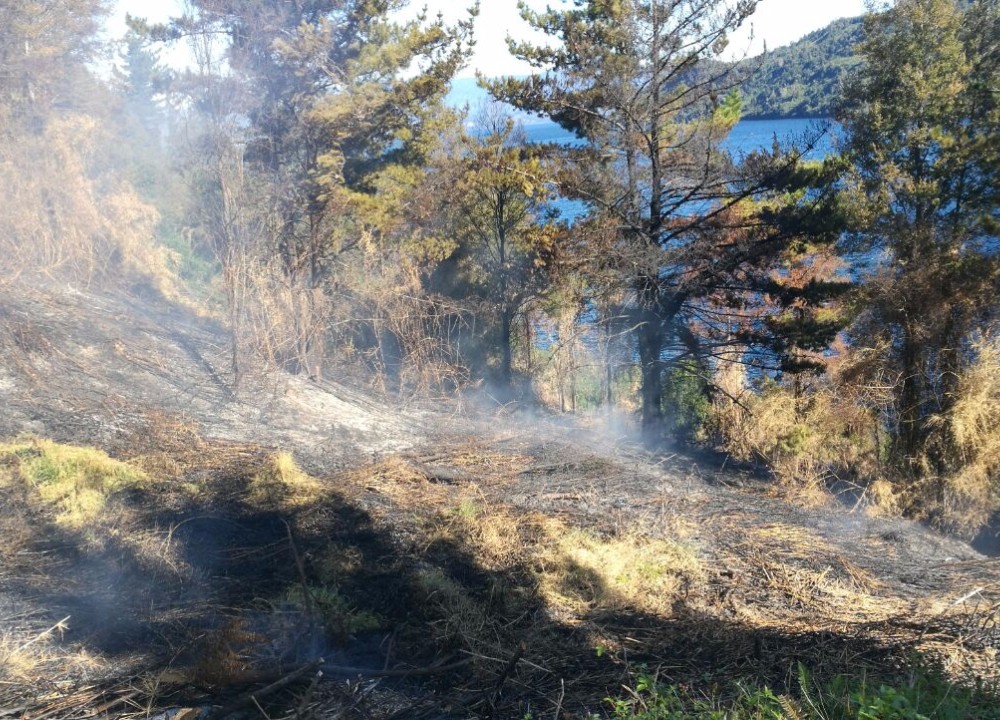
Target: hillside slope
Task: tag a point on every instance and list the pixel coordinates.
(800, 80)
(803, 79)
(98, 367)
(437, 565)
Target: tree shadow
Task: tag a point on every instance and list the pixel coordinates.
(229, 591)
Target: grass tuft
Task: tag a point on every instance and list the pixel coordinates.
(280, 481)
(76, 481)
(649, 574)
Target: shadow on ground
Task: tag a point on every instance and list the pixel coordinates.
(217, 587)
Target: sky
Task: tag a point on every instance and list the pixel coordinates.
(776, 23)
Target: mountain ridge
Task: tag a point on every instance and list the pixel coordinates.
(798, 80)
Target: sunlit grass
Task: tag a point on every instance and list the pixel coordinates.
(584, 570)
(280, 482)
(75, 481)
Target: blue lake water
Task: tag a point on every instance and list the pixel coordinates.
(748, 136)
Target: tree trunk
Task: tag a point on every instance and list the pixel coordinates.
(506, 361)
(910, 429)
(651, 341)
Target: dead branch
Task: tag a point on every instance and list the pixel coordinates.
(507, 670)
(414, 672)
(437, 473)
(253, 697)
(61, 625)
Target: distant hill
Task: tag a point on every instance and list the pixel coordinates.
(801, 80)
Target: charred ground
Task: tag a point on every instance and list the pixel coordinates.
(441, 566)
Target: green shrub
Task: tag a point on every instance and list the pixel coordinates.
(686, 403)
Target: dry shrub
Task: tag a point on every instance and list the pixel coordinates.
(884, 499)
(58, 216)
(962, 499)
(807, 437)
(383, 317)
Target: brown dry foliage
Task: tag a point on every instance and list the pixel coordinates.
(806, 436)
(964, 497)
(59, 217)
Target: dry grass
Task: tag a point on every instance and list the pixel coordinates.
(31, 650)
(964, 498)
(582, 571)
(805, 440)
(576, 570)
(281, 483)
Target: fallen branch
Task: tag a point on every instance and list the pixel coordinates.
(414, 672)
(505, 673)
(61, 625)
(965, 597)
(254, 697)
(436, 473)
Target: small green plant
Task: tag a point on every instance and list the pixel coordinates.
(924, 696)
(333, 610)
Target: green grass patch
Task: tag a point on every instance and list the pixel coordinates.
(75, 481)
(924, 695)
(333, 611)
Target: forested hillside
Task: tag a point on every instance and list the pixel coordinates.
(794, 81)
(803, 79)
(304, 183)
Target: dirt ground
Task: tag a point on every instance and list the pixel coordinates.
(428, 562)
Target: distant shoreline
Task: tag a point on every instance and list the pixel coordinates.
(772, 116)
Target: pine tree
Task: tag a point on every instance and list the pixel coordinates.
(503, 226)
(633, 80)
(322, 99)
(922, 122)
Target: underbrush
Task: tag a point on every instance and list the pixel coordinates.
(806, 440)
(575, 569)
(922, 696)
(839, 432)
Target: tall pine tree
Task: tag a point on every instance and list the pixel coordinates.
(634, 80)
(922, 121)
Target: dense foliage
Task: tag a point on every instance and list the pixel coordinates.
(803, 79)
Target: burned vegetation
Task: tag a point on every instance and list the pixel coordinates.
(317, 402)
(470, 567)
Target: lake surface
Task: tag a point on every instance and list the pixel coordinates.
(746, 137)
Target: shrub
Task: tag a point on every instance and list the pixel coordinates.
(805, 438)
(686, 402)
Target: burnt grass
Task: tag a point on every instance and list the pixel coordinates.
(423, 566)
(204, 602)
